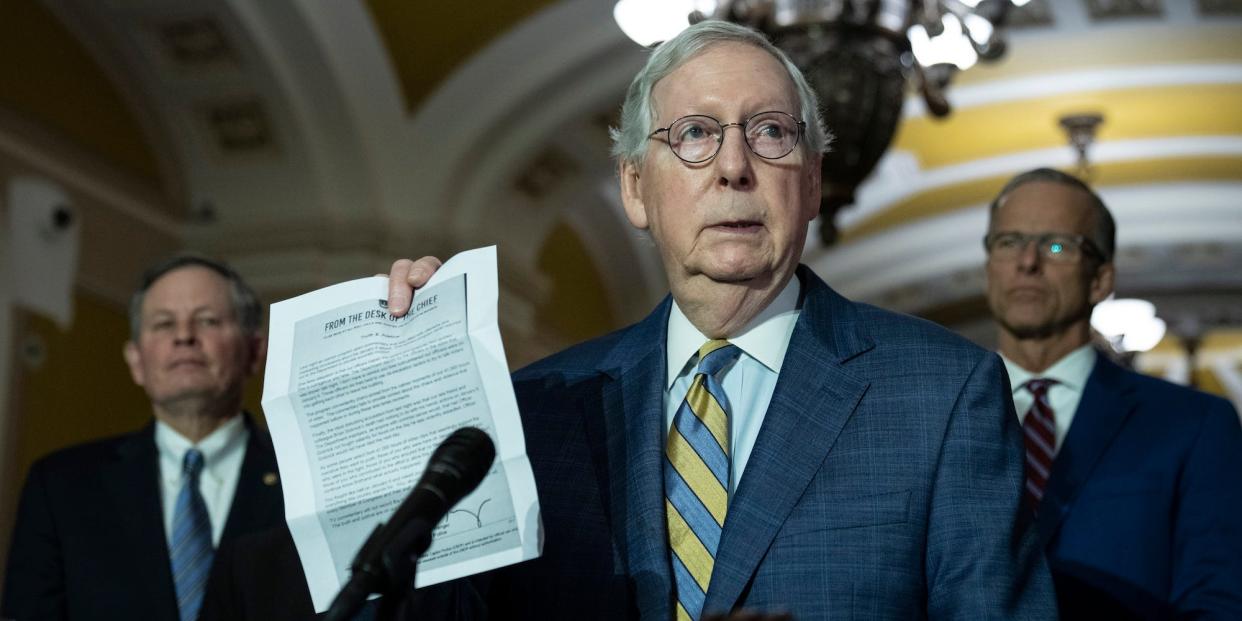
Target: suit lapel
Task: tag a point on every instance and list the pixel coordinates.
(135, 488)
(633, 421)
(814, 398)
(257, 503)
(1107, 401)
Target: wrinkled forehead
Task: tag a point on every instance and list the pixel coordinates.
(1044, 207)
(725, 75)
(190, 287)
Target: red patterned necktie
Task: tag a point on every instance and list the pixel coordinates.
(1039, 432)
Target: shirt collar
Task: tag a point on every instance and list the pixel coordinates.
(765, 338)
(230, 436)
(1070, 371)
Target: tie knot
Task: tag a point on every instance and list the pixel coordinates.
(715, 354)
(193, 463)
(1039, 387)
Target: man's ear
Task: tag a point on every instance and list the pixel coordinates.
(133, 360)
(1102, 283)
(814, 185)
(632, 194)
(258, 354)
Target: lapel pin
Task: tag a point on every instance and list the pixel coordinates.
(270, 479)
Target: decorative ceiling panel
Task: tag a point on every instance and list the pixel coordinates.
(196, 42)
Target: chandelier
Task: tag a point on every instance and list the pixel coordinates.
(860, 56)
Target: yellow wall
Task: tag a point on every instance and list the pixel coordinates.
(578, 307)
(49, 78)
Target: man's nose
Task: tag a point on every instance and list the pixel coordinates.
(185, 333)
(733, 162)
(1028, 257)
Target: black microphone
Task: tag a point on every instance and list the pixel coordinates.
(385, 563)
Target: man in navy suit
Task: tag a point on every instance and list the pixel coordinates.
(874, 464)
(1136, 482)
(95, 537)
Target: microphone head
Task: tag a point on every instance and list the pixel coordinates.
(465, 458)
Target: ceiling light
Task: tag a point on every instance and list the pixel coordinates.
(1130, 325)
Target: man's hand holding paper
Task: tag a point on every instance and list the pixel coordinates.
(359, 390)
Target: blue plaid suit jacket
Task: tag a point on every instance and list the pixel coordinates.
(884, 484)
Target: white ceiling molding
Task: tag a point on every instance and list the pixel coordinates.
(898, 177)
(297, 161)
(364, 122)
(86, 27)
(496, 113)
(344, 177)
(936, 255)
(1062, 83)
(492, 117)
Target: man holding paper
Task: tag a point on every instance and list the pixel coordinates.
(758, 442)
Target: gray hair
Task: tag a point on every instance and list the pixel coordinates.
(246, 307)
(629, 142)
(1105, 234)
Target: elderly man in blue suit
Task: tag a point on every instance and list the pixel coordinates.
(1136, 482)
(759, 442)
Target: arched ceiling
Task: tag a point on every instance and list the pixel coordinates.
(50, 78)
(424, 52)
(309, 142)
(1167, 158)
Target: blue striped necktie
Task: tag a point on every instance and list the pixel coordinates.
(696, 478)
(191, 551)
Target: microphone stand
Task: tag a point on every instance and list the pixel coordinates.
(386, 562)
(388, 573)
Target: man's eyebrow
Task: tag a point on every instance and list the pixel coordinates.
(194, 311)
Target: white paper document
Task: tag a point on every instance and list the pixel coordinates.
(356, 401)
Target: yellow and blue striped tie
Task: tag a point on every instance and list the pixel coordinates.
(696, 478)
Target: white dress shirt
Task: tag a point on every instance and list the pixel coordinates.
(748, 383)
(223, 451)
(1070, 373)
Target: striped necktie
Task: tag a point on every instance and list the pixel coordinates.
(191, 551)
(1039, 430)
(696, 478)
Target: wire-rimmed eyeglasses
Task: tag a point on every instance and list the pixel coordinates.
(1059, 247)
(698, 137)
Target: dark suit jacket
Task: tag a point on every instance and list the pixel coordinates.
(884, 484)
(89, 541)
(1143, 509)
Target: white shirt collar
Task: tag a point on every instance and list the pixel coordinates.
(1070, 371)
(231, 436)
(765, 338)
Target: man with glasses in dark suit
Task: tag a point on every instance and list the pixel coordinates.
(1135, 483)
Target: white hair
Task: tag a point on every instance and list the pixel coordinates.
(629, 142)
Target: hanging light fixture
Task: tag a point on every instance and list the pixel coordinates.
(858, 55)
(1081, 130)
